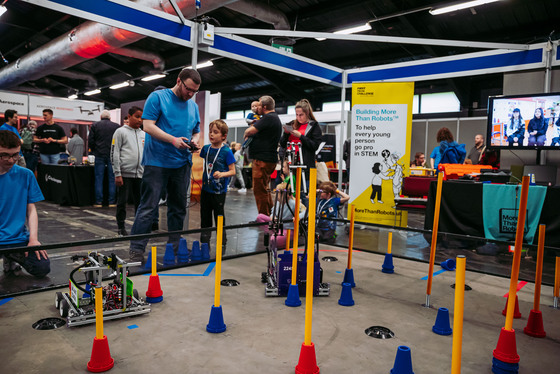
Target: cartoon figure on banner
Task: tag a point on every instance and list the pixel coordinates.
(378, 177)
(398, 171)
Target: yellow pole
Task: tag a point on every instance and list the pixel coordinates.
(296, 226)
(288, 240)
(517, 253)
(98, 312)
(538, 275)
(389, 242)
(310, 255)
(218, 261)
(458, 315)
(351, 239)
(434, 238)
(154, 260)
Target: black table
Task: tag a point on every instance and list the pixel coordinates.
(461, 210)
(67, 185)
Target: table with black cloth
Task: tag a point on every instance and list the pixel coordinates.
(461, 210)
(67, 185)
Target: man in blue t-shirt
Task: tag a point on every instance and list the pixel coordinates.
(172, 124)
(11, 120)
(19, 192)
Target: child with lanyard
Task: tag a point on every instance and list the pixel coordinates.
(219, 165)
(327, 209)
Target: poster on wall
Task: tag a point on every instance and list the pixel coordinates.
(380, 145)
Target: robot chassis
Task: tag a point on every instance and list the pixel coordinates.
(120, 299)
(277, 277)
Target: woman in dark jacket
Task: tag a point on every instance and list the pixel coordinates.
(537, 128)
(306, 132)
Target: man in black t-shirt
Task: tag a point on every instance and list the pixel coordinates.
(263, 150)
(50, 136)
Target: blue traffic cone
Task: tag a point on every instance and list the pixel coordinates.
(196, 255)
(169, 257)
(500, 367)
(448, 264)
(349, 277)
(148, 263)
(387, 266)
(403, 361)
(293, 296)
(182, 252)
(216, 323)
(87, 293)
(442, 326)
(346, 295)
(205, 249)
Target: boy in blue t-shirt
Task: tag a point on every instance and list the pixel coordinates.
(327, 207)
(19, 224)
(219, 166)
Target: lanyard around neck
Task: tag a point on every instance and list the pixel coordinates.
(211, 167)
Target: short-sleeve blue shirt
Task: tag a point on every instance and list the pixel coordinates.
(436, 155)
(18, 187)
(213, 164)
(175, 117)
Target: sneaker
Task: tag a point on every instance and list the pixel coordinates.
(10, 266)
(135, 256)
(97, 205)
(122, 232)
(243, 190)
(112, 205)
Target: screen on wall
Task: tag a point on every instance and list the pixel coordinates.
(524, 121)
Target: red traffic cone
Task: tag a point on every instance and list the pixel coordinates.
(506, 350)
(535, 326)
(101, 359)
(307, 361)
(154, 293)
(516, 312)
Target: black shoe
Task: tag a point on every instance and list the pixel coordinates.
(155, 226)
(11, 267)
(122, 232)
(136, 257)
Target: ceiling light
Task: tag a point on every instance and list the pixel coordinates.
(73, 96)
(120, 85)
(350, 30)
(452, 8)
(92, 92)
(202, 65)
(153, 77)
(3, 10)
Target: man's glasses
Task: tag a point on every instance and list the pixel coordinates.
(188, 89)
(6, 156)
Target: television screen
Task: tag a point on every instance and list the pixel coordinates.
(524, 121)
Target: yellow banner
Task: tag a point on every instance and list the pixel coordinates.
(380, 149)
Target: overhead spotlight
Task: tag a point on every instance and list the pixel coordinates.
(92, 92)
(73, 96)
(201, 65)
(454, 7)
(153, 77)
(350, 30)
(3, 10)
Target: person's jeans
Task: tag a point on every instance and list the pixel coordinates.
(31, 160)
(35, 267)
(261, 180)
(154, 180)
(211, 204)
(50, 159)
(536, 140)
(130, 186)
(102, 163)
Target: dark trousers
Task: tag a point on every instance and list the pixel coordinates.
(211, 204)
(130, 187)
(375, 190)
(31, 264)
